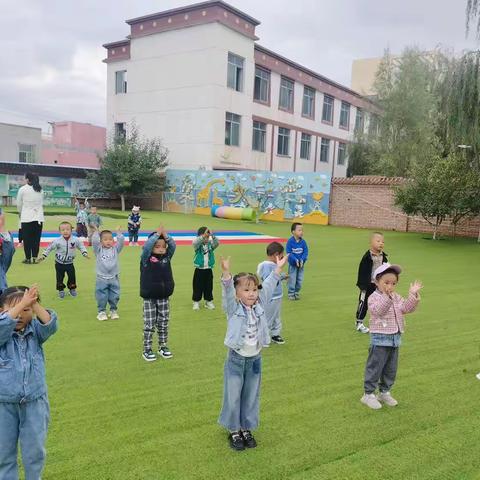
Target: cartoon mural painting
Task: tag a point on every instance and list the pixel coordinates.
(275, 196)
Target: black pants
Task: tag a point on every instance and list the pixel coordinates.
(363, 302)
(82, 230)
(202, 284)
(61, 270)
(381, 368)
(31, 233)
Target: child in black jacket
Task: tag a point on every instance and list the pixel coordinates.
(373, 258)
(156, 287)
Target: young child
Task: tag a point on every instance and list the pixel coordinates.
(273, 308)
(24, 411)
(134, 223)
(244, 301)
(7, 249)
(386, 327)
(65, 248)
(156, 287)
(107, 286)
(94, 222)
(297, 251)
(373, 258)
(81, 210)
(204, 261)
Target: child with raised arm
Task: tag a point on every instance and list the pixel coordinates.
(7, 249)
(65, 248)
(387, 309)
(134, 223)
(371, 260)
(273, 308)
(244, 301)
(107, 286)
(81, 211)
(204, 261)
(297, 251)
(156, 287)
(24, 411)
(94, 221)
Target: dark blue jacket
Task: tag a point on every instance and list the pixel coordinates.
(297, 251)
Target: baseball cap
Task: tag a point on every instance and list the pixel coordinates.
(387, 266)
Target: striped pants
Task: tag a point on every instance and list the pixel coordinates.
(156, 315)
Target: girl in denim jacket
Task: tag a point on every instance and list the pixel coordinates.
(24, 411)
(244, 300)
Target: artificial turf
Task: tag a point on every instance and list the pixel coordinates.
(115, 416)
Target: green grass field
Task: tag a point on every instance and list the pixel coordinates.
(114, 416)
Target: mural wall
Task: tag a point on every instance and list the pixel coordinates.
(58, 191)
(277, 196)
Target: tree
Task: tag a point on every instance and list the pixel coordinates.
(130, 166)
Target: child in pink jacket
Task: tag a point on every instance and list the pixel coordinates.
(386, 309)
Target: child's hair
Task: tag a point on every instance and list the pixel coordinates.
(244, 277)
(12, 295)
(274, 248)
(65, 223)
(376, 233)
(201, 231)
(160, 237)
(294, 226)
(388, 270)
(105, 232)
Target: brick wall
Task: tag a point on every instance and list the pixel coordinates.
(368, 202)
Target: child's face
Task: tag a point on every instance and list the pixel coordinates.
(66, 230)
(160, 247)
(93, 210)
(387, 283)
(82, 206)
(377, 243)
(247, 292)
(206, 234)
(25, 316)
(107, 240)
(274, 257)
(298, 232)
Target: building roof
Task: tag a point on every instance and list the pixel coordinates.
(18, 125)
(368, 180)
(43, 170)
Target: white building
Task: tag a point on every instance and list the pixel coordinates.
(196, 78)
(19, 143)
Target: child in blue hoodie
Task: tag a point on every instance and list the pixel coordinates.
(297, 251)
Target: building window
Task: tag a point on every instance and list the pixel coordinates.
(121, 81)
(286, 94)
(308, 104)
(325, 150)
(342, 153)
(232, 129)
(261, 89)
(235, 72)
(26, 153)
(373, 125)
(327, 113)
(305, 143)
(120, 131)
(345, 115)
(283, 146)
(259, 138)
(359, 121)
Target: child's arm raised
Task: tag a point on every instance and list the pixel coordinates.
(8, 249)
(148, 247)
(120, 240)
(410, 303)
(197, 243)
(270, 283)
(95, 242)
(229, 302)
(215, 242)
(47, 322)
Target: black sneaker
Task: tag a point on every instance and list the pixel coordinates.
(149, 356)
(248, 439)
(165, 352)
(236, 441)
(278, 339)
(27, 261)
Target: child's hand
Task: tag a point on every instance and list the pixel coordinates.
(30, 296)
(225, 264)
(298, 263)
(415, 287)
(301, 263)
(87, 256)
(40, 259)
(161, 231)
(281, 261)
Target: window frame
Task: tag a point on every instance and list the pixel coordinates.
(332, 108)
(269, 83)
(308, 142)
(359, 113)
(344, 153)
(289, 109)
(229, 124)
(305, 89)
(121, 82)
(327, 149)
(342, 111)
(238, 77)
(285, 140)
(261, 129)
(120, 133)
(29, 152)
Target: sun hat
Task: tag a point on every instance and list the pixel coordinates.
(387, 266)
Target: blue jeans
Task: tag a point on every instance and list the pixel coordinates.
(107, 291)
(241, 392)
(295, 279)
(28, 423)
(272, 311)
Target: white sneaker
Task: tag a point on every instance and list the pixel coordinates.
(210, 305)
(387, 399)
(102, 316)
(361, 328)
(196, 306)
(478, 375)
(114, 315)
(370, 400)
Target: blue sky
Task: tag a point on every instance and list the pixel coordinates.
(51, 56)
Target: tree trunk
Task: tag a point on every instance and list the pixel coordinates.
(435, 228)
(122, 199)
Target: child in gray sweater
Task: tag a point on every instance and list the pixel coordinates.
(107, 287)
